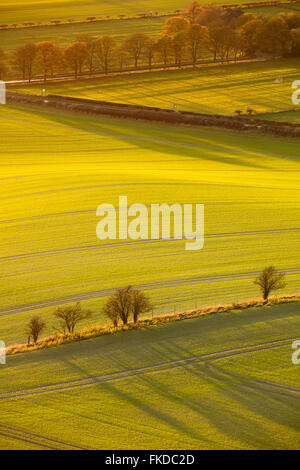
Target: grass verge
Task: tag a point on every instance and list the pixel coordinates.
(98, 330)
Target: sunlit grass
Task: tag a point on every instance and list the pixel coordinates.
(220, 89)
(58, 167)
(203, 405)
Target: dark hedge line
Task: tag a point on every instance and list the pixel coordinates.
(158, 114)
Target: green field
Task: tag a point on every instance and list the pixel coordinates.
(236, 387)
(272, 10)
(19, 11)
(287, 116)
(56, 168)
(215, 89)
(66, 33)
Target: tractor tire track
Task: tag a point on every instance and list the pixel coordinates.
(150, 286)
(121, 375)
(141, 242)
(256, 385)
(36, 439)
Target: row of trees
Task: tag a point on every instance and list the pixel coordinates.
(123, 303)
(130, 301)
(201, 31)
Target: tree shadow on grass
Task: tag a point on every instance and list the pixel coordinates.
(210, 150)
(216, 399)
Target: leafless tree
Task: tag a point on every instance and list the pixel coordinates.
(269, 280)
(135, 45)
(70, 316)
(140, 304)
(35, 327)
(23, 58)
(105, 47)
(119, 305)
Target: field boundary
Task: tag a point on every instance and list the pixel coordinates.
(96, 330)
(139, 16)
(121, 110)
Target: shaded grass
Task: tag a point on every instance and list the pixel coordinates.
(96, 330)
(219, 89)
(191, 407)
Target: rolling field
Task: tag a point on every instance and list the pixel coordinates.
(63, 34)
(236, 387)
(66, 33)
(19, 11)
(287, 116)
(215, 89)
(57, 167)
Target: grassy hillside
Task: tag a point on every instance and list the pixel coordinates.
(220, 89)
(58, 167)
(236, 387)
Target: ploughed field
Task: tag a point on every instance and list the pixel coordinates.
(223, 381)
(57, 167)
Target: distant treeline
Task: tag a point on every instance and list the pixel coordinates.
(200, 31)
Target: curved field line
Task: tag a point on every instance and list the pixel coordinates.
(142, 242)
(37, 439)
(257, 385)
(150, 286)
(165, 366)
(26, 439)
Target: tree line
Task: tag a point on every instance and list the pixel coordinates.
(130, 302)
(200, 31)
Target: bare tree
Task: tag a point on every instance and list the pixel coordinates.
(163, 46)
(119, 305)
(149, 52)
(135, 45)
(3, 64)
(71, 315)
(196, 38)
(269, 280)
(91, 43)
(35, 327)
(111, 312)
(23, 58)
(140, 304)
(105, 46)
(122, 57)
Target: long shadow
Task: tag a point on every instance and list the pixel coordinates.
(153, 412)
(243, 391)
(209, 150)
